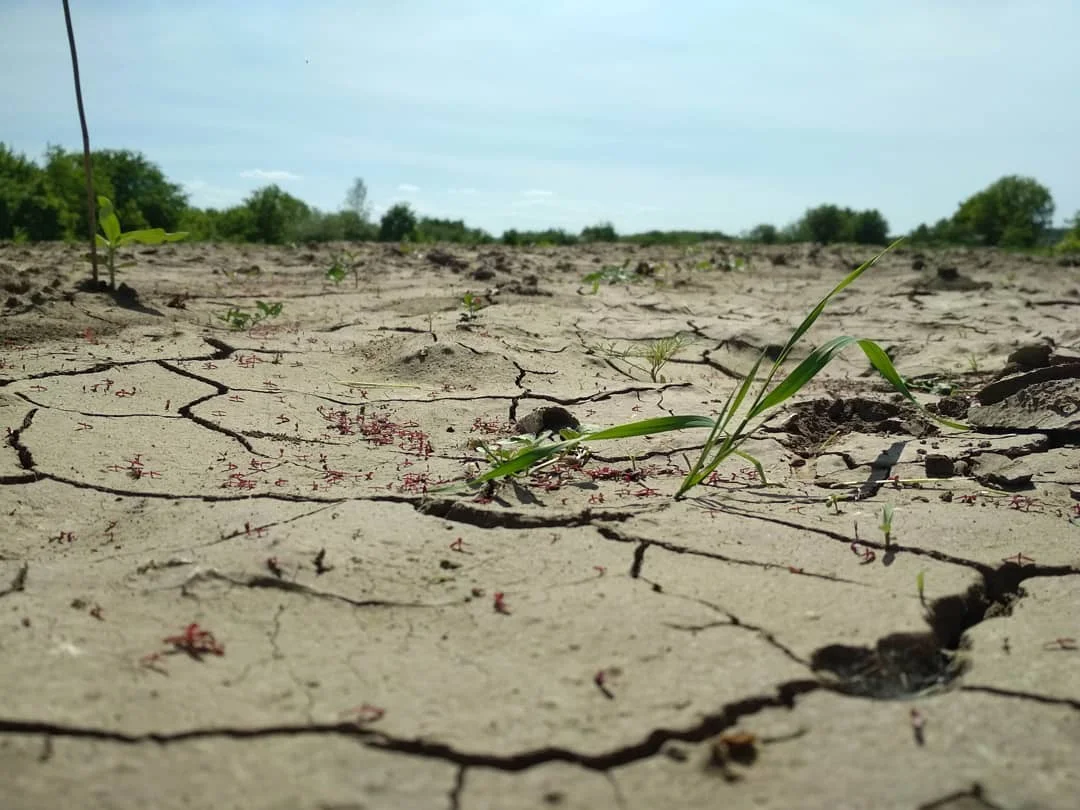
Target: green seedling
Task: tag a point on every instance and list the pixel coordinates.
(111, 238)
(742, 412)
(920, 585)
(886, 522)
(240, 320)
(610, 274)
(471, 306)
(344, 262)
(655, 353)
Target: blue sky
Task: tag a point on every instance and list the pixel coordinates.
(532, 113)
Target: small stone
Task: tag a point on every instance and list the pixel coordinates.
(939, 465)
(547, 420)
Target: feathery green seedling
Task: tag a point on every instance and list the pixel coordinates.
(739, 416)
(886, 522)
(920, 585)
(241, 320)
(112, 238)
(656, 353)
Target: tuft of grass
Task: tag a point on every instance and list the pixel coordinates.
(742, 411)
(655, 353)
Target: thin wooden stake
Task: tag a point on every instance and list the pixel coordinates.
(88, 166)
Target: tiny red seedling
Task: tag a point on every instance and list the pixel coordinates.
(867, 554)
(196, 642)
(500, 603)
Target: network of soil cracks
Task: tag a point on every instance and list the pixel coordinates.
(231, 574)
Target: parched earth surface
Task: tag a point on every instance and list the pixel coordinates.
(227, 578)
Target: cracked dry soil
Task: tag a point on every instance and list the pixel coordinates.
(224, 581)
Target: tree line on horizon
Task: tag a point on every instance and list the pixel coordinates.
(48, 203)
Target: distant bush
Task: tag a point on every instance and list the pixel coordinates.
(431, 229)
(675, 237)
(550, 237)
(603, 232)
(1070, 242)
(398, 224)
(1013, 212)
(764, 234)
(828, 224)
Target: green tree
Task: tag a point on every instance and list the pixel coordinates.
(602, 232)
(764, 234)
(143, 197)
(1070, 242)
(869, 228)
(398, 224)
(826, 224)
(1011, 212)
(275, 215)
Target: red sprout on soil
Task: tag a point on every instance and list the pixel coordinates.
(196, 642)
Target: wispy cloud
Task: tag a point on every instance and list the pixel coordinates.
(269, 174)
(466, 190)
(408, 188)
(207, 195)
(538, 192)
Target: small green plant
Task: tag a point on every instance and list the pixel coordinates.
(737, 420)
(344, 262)
(655, 353)
(610, 274)
(111, 238)
(471, 306)
(920, 586)
(886, 522)
(240, 320)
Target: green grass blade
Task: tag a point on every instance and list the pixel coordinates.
(815, 313)
(757, 465)
(662, 424)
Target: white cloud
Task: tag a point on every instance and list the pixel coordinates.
(408, 188)
(207, 195)
(269, 174)
(538, 192)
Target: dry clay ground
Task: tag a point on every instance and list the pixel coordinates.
(222, 582)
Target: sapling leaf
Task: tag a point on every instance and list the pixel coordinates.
(108, 220)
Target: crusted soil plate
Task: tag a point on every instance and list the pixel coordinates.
(226, 579)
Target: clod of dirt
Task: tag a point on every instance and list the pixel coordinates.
(1031, 401)
(1031, 355)
(547, 420)
(949, 278)
(939, 465)
(483, 274)
(813, 423)
(445, 258)
(950, 407)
